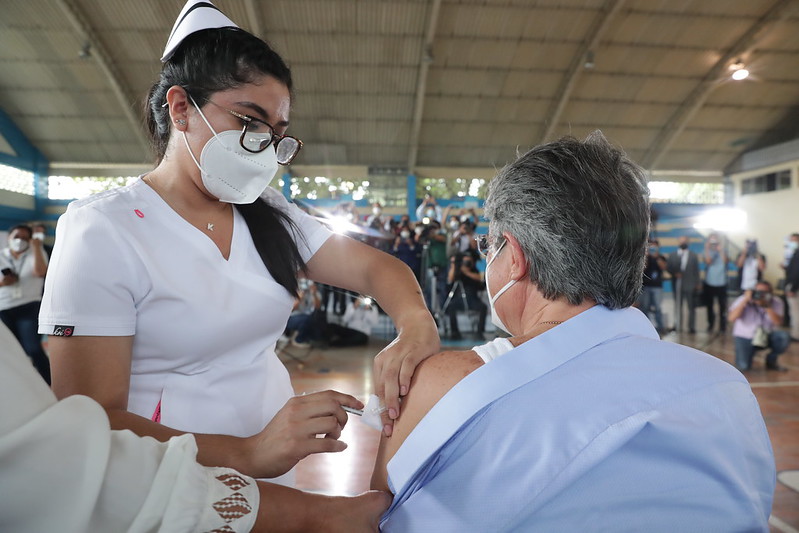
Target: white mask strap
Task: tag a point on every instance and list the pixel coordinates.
(202, 115)
(185, 140)
(501, 291)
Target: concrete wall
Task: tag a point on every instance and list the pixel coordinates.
(771, 216)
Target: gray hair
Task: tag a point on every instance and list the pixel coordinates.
(580, 211)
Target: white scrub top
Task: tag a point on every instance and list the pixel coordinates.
(204, 327)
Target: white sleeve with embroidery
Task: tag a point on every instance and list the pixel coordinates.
(63, 469)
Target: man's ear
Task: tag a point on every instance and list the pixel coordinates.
(518, 268)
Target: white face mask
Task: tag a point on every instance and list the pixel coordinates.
(376, 211)
(229, 172)
(492, 299)
(793, 245)
(18, 245)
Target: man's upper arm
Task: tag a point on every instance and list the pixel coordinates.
(434, 377)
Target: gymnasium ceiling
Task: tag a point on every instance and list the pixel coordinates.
(428, 85)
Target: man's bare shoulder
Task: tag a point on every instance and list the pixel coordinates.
(433, 378)
(437, 374)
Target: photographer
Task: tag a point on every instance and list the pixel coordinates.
(751, 264)
(359, 319)
(306, 320)
(433, 241)
(24, 265)
(406, 249)
(757, 314)
(464, 276)
(429, 209)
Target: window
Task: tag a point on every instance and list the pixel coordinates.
(671, 192)
(452, 188)
(773, 181)
(16, 180)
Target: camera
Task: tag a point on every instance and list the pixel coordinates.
(761, 297)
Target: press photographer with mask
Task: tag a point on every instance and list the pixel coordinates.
(464, 276)
(24, 265)
(757, 315)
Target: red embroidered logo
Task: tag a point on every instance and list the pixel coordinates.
(138, 213)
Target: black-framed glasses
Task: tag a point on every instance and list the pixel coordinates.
(257, 136)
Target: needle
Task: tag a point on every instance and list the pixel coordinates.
(358, 412)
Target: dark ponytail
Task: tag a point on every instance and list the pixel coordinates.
(214, 60)
(275, 236)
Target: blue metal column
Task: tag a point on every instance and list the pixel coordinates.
(26, 157)
(287, 185)
(411, 182)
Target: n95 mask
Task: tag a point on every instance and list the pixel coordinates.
(229, 172)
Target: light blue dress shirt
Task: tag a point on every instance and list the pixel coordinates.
(595, 425)
(716, 272)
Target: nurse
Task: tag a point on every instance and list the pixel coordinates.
(165, 298)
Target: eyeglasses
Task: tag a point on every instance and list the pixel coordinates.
(483, 244)
(257, 136)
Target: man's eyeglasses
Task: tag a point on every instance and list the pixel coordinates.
(257, 136)
(483, 244)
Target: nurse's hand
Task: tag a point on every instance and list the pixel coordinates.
(292, 433)
(394, 366)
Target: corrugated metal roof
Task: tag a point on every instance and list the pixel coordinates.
(496, 72)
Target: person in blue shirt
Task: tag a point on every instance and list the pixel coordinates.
(715, 288)
(583, 420)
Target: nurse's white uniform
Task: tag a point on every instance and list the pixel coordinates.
(204, 327)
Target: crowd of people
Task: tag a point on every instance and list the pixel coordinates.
(757, 313)
(439, 247)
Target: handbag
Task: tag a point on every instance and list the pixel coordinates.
(760, 338)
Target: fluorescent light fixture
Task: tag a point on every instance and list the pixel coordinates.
(725, 219)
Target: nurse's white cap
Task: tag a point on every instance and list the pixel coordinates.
(196, 15)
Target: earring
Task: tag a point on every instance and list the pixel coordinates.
(180, 122)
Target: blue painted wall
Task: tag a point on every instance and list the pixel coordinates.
(26, 157)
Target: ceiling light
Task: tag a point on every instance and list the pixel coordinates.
(85, 50)
(740, 74)
(589, 60)
(739, 71)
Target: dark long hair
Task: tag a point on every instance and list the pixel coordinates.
(214, 60)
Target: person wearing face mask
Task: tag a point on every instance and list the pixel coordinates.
(406, 249)
(464, 276)
(24, 265)
(751, 265)
(165, 298)
(792, 284)
(715, 288)
(683, 265)
(429, 209)
(584, 408)
(755, 310)
(377, 220)
(652, 291)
